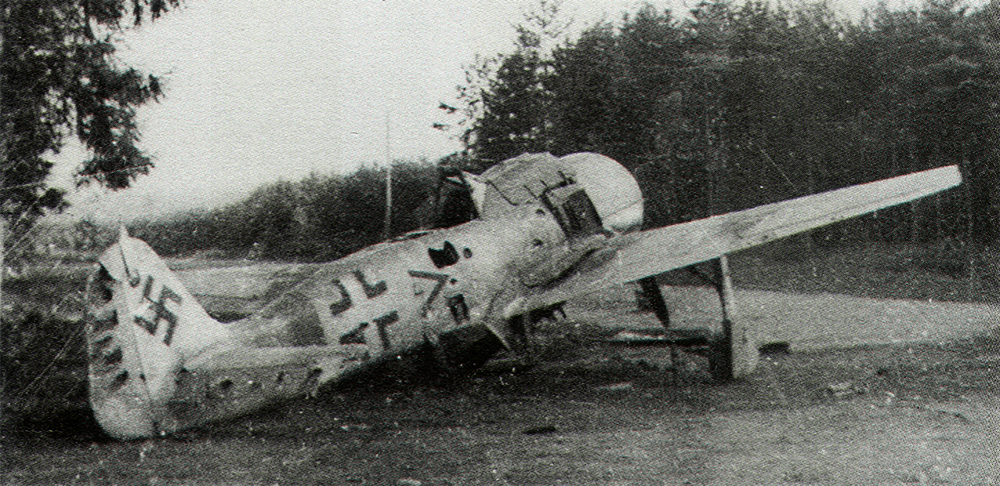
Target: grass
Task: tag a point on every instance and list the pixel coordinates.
(938, 272)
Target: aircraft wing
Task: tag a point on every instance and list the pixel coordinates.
(630, 257)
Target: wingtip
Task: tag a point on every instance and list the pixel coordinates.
(956, 175)
(122, 233)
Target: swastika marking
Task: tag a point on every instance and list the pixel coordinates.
(160, 311)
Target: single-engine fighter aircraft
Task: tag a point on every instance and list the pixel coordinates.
(515, 241)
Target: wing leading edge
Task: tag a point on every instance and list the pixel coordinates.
(655, 251)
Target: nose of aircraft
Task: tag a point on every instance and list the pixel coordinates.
(611, 188)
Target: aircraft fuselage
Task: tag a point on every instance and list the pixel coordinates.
(393, 297)
(539, 230)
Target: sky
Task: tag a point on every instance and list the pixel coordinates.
(260, 91)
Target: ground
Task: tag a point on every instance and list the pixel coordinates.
(896, 383)
(588, 412)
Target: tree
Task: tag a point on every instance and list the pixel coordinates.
(743, 105)
(59, 76)
(582, 71)
(505, 103)
(515, 110)
(940, 96)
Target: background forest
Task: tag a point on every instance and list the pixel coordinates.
(732, 107)
(742, 105)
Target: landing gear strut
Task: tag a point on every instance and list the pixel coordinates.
(732, 354)
(654, 299)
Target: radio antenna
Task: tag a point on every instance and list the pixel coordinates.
(387, 230)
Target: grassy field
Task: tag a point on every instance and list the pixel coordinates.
(894, 271)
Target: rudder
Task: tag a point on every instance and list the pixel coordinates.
(142, 329)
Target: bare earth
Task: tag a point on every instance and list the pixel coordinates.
(833, 411)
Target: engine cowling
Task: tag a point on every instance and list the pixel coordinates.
(611, 188)
(506, 189)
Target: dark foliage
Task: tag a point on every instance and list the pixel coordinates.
(320, 218)
(59, 76)
(743, 105)
(43, 360)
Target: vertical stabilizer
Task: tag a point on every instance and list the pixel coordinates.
(142, 331)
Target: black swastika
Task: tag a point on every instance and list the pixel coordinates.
(160, 311)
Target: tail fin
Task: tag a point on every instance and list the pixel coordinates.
(145, 327)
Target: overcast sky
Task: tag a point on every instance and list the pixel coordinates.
(261, 91)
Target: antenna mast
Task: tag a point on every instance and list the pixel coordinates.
(387, 230)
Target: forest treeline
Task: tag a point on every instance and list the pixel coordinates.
(730, 107)
(320, 218)
(739, 105)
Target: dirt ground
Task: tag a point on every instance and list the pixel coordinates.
(588, 412)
